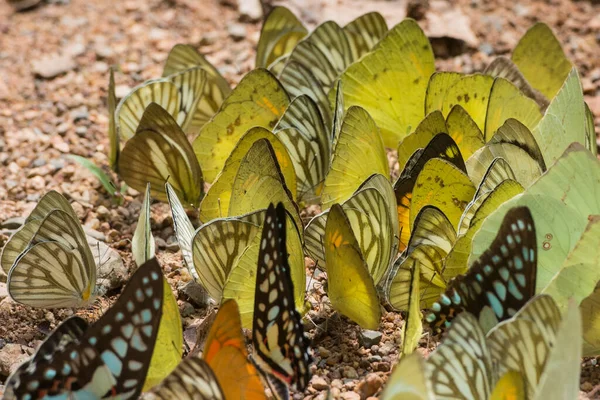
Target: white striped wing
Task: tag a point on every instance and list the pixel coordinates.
(179, 94)
(50, 275)
(461, 367)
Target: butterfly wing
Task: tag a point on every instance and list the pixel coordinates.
(461, 366)
(365, 32)
(244, 108)
(57, 268)
(358, 154)
(216, 248)
(503, 278)
(325, 52)
(279, 35)
(19, 241)
(225, 352)
(160, 151)
(280, 347)
(183, 57)
(378, 81)
(350, 286)
(303, 132)
(112, 356)
(441, 146)
(193, 379)
(142, 243)
(178, 94)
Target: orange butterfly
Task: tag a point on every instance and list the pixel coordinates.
(223, 373)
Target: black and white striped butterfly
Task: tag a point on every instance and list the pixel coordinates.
(280, 348)
(108, 359)
(503, 278)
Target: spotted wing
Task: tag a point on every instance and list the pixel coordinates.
(111, 359)
(280, 347)
(503, 278)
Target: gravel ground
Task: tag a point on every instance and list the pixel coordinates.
(54, 62)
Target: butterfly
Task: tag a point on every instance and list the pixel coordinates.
(217, 202)
(534, 355)
(316, 61)
(224, 371)
(303, 132)
(158, 151)
(280, 33)
(69, 331)
(365, 32)
(142, 243)
(221, 254)
(484, 98)
(458, 124)
(244, 108)
(441, 146)
(503, 278)
(179, 94)
(350, 287)
(108, 359)
(279, 345)
(371, 213)
(169, 340)
(325, 52)
(48, 261)
(183, 57)
(564, 204)
(503, 67)
(402, 59)
(359, 153)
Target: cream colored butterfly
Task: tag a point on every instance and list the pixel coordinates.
(48, 261)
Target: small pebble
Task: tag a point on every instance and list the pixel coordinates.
(186, 309)
(350, 373)
(323, 352)
(237, 31)
(51, 67)
(369, 338)
(350, 396)
(319, 383)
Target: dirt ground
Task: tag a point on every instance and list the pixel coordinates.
(54, 63)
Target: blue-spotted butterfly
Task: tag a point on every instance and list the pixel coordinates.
(110, 359)
(503, 278)
(280, 348)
